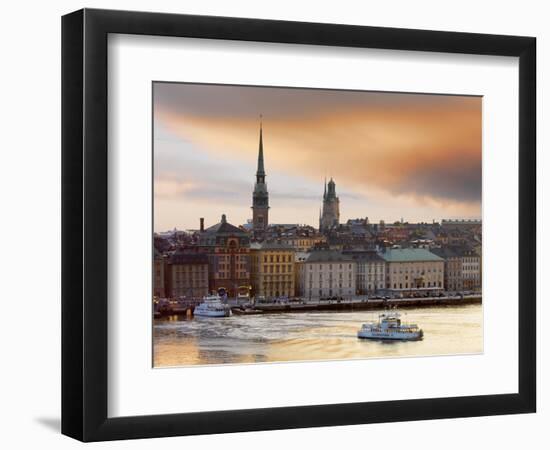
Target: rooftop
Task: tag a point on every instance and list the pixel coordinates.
(328, 256)
(188, 258)
(224, 227)
(409, 255)
(266, 245)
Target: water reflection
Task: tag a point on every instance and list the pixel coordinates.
(181, 341)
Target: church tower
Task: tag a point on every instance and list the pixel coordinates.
(330, 216)
(260, 196)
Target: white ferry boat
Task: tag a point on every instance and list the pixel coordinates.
(389, 327)
(212, 306)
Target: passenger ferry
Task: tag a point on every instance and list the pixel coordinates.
(389, 327)
(212, 306)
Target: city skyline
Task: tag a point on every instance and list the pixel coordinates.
(392, 155)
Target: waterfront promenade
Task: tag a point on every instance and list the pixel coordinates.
(308, 305)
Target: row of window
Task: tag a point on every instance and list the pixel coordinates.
(277, 277)
(340, 266)
(277, 258)
(238, 266)
(235, 257)
(416, 286)
(330, 284)
(371, 277)
(240, 275)
(329, 277)
(282, 268)
(361, 268)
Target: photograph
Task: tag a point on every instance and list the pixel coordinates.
(300, 224)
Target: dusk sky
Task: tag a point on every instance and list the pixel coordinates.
(392, 156)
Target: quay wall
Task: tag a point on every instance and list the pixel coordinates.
(357, 305)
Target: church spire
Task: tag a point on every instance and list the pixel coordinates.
(261, 171)
(260, 196)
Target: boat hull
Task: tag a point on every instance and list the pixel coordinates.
(396, 336)
(212, 313)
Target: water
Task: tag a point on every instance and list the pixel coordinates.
(181, 341)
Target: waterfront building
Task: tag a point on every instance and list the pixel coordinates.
(330, 213)
(187, 275)
(272, 270)
(410, 270)
(328, 274)
(299, 272)
(370, 272)
(453, 268)
(228, 250)
(471, 268)
(158, 275)
(260, 196)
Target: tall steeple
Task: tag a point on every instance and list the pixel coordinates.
(261, 171)
(260, 196)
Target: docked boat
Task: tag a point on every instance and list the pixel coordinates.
(390, 327)
(212, 306)
(246, 310)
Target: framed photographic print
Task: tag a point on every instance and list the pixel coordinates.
(273, 224)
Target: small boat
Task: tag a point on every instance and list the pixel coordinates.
(246, 310)
(212, 306)
(389, 327)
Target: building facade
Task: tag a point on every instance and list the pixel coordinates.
(330, 213)
(413, 270)
(471, 268)
(228, 250)
(260, 196)
(159, 289)
(187, 275)
(272, 274)
(453, 268)
(370, 272)
(328, 274)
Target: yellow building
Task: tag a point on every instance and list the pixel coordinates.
(272, 272)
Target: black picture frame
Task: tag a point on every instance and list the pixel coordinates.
(84, 224)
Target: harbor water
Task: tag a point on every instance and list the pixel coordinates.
(310, 336)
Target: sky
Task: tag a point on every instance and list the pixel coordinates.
(391, 155)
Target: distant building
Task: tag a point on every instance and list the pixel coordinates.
(228, 249)
(260, 196)
(272, 270)
(328, 273)
(413, 270)
(453, 268)
(330, 214)
(303, 243)
(460, 223)
(370, 272)
(158, 275)
(187, 275)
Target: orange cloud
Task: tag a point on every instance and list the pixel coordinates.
(426, 152)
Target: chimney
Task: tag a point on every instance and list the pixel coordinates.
(202, 224)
